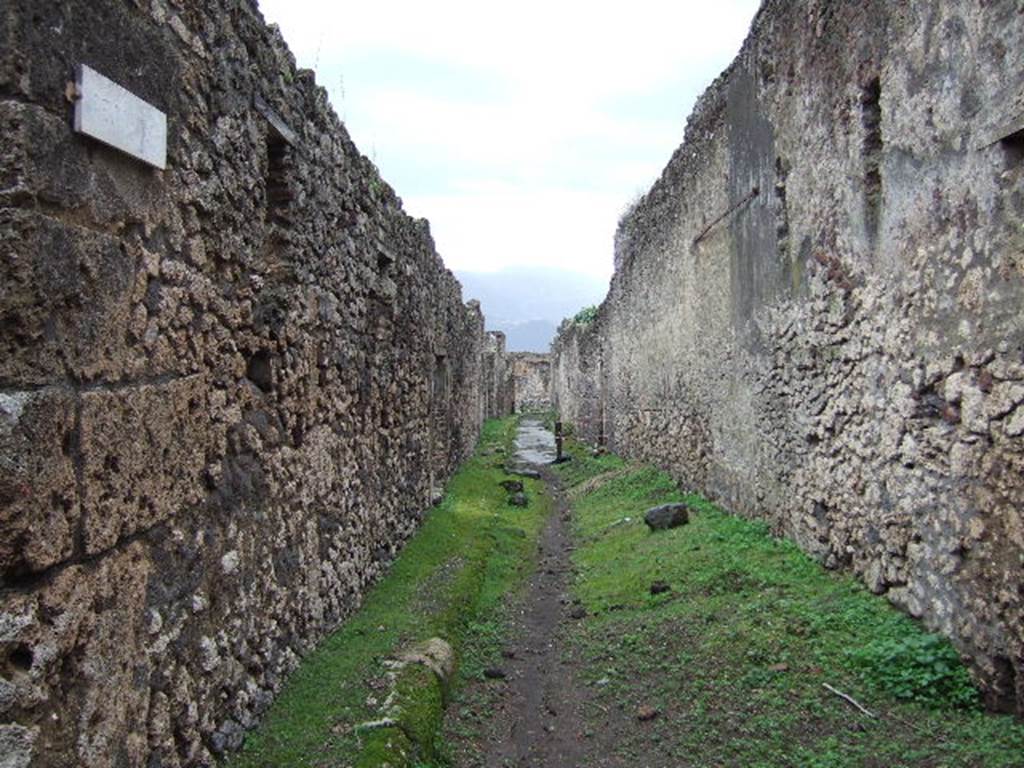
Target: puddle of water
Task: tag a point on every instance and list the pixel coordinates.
(534, 444)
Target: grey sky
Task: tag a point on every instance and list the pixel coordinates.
(521, 130)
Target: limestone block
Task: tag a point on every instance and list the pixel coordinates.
(39, 504)
(143, 452)
(63, 299)
(38, 157)
(84, 627)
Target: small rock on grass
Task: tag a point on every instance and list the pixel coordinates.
(578, 612)
(523, 472)
(646, 713)
(659, 587)
(512, 486)
(495, 673)
(666, 516)
(519, 500)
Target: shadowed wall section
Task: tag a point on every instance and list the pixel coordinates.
(228, 390)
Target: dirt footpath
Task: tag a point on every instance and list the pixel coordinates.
(538, 722)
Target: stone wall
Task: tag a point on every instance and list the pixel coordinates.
(228, 390)
(816, 311)
(497, 378)
(530, 381)
(577, 377)
(513, 381)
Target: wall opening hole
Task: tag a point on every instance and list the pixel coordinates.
(1013, 149)
(384, 260)
(279, 193)
(781, 210)
(1000, 695)
(440, 381)
(259, 369)
(21, 657)
(871, 150)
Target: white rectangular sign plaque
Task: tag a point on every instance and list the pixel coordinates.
(109, 113)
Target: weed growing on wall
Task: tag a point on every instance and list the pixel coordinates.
(585, 316)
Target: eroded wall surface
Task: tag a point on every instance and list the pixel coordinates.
(816, 311)
(228, 390)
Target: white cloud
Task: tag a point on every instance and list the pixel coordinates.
(520, 130)
(520, 225)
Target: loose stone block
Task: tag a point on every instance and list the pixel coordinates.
(666, 516)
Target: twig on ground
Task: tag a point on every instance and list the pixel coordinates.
(384, 722)
(847, 698)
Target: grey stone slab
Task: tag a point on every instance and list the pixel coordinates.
(113, 115)
(276, 121)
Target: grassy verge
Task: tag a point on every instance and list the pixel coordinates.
(448, 582)
(734, 656)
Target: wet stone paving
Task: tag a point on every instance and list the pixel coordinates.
(535, 444)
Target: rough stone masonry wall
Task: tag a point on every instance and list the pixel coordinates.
(497, 378)
(577, 377)
(816, 315)
(227, 390)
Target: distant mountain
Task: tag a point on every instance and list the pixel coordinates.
(531, 336)
(528, 303)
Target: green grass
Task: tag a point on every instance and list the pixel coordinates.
(736, 654)
(449, 581)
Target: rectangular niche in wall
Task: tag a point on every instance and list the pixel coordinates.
(281, 141)
(1013, 149)
(278, 191)
(440, 378)
(871, 150)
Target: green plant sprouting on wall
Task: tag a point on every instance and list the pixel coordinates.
(585, 316)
